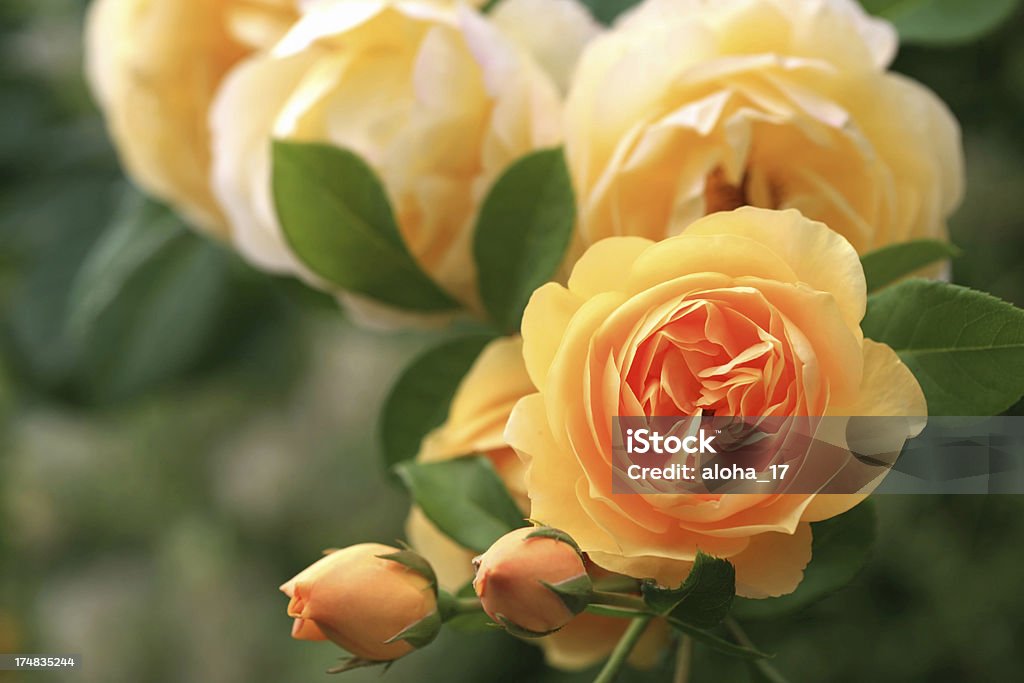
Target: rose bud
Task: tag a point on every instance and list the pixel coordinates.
(375, 601)
(532, 581)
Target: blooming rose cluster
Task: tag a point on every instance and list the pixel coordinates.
(731, 160)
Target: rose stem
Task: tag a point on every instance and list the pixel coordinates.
(769, 672)
(618, 600)
(622, 649)
(684, 656)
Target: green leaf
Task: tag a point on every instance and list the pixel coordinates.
(420, 399)
(607, 11)
(966, 348)
(522, 232)
(337, 218)
(703, 599)
(840, 549)
(147, 302)
(888, 264)
(464, 498)
(943, 22)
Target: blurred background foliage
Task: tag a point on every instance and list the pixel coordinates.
(179, 434)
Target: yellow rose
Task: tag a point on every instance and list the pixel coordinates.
(435, 98)
(750, 312)
(475, 425)
(688, 107)
(363, 602)
(154, 67)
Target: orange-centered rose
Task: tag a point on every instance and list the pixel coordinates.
(750, 312)
(377, 608)
(475, 425)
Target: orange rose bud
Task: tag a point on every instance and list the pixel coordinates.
(532, 581)
(377, 602)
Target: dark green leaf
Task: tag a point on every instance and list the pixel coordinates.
(888, 264)
(966, 348)
(763, 672)
(420, 399)
(523, 230)
(337, 218)
(840, 549)
(146, 303)
(703, 599)
(607, 11)
(464, 498)
(943, 22)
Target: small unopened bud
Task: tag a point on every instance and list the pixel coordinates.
(377, 602)
(532, 581)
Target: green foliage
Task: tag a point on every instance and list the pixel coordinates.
(607, 11)
(141, 303)
(336, 216)
(887, 265)
(523, 230)
(716, 642)
(966, 348)
(147, 302)
(464, 498)
(943, 22)
(703, 600)
(841, 547)
(420, 399)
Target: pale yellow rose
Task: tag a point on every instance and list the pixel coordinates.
(476, 425)
(553, 31)
(154, 67)
(687, 107)
(750, 312)
(436, 98)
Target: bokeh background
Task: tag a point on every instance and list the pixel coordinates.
(179, 434)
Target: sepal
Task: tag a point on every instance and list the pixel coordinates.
(421, 633)
(575, 593)
(415, 562)
(353, 663)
